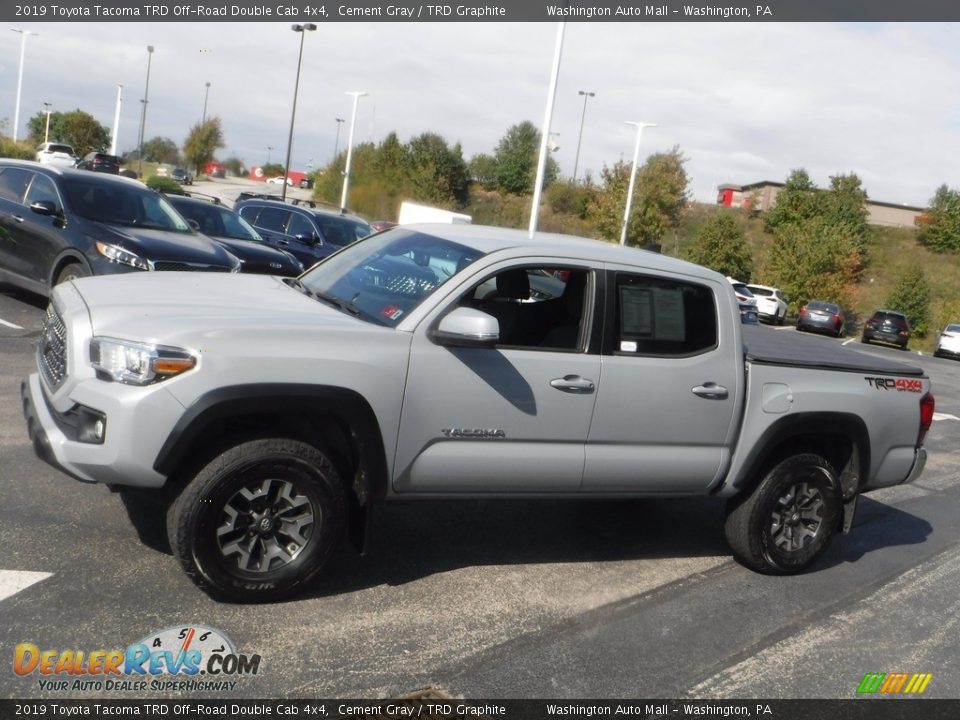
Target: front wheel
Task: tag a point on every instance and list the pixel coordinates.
(786, 523)
(258, 522)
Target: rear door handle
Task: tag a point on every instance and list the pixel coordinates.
(711, 391)
(573, 384)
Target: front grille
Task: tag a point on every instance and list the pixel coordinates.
(52, 350)
(188, 267)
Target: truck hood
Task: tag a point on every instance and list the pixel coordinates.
(195, 307)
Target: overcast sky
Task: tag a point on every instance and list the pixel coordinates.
(744, 102)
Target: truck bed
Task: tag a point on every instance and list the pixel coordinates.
(783, 347)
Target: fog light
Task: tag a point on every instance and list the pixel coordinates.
(92, 427)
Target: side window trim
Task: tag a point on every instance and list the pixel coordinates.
(56, 191)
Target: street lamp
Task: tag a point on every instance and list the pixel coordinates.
(346, 172)
(336, 143)
(583, 115)
(302, 29)
(46, 130)
(206, 94)
(633, 177)
(23, 52)
(143, 112)
(116, 120)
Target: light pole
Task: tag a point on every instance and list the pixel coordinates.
(633, 177)
(116, 121)
(46, 130)
(583, 115)
(143, 112)
(206, 94)
(346, 172)
(269, 150)
(23, 52)
(336, 143)
(302, 29)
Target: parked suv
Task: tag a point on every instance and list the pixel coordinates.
(60, 154)
(226, 227)
(308, 233)
(887, 326)
(771, 305)
(57, 224)
(100, 162)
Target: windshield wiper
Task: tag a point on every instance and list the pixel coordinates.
(329, 299)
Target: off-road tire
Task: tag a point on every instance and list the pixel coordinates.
(788, 520)
(278, 501)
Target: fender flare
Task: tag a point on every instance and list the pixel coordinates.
(284, 399)
(815, 423)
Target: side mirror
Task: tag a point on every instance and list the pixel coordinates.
(194, 224)
(310, 239)
(45, 207)
(467, 327)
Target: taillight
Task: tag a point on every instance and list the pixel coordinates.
(926, 415)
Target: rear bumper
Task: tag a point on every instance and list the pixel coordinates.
(919, 463)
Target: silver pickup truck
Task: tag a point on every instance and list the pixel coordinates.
(457, 361)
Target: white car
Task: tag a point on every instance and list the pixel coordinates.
(948, 344)
(58, 154)
(279, 180)
(770, 303)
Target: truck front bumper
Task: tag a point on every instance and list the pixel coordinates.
(129, 444)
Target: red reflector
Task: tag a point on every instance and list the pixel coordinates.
(926, 415)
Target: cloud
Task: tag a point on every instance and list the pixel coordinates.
(744, 102)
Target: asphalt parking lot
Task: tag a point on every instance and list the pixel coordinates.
(632, 599)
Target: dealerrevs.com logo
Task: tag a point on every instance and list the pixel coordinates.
(192, 658)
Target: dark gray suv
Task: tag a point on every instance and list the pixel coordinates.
(57, 224)
(308, 233)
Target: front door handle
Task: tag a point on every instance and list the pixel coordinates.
(710, 390)
(17, 218)
(573, 384)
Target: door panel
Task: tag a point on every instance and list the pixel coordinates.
(672, 387)
(503, 419)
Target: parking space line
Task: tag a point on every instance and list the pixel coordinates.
(13, 581)
(10, 324)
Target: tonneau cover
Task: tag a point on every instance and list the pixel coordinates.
(788, 347)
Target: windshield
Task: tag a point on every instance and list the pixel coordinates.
(340, 230)
(823, 307)
(385, 276)
(759, 291)
(217, 221)
(118, 203)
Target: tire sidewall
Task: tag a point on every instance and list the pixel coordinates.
(199, 511)
(816, 471)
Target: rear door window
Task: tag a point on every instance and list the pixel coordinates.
(13, 183)
(274, 219)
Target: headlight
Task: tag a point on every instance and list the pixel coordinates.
(118, 255)
(136, 363)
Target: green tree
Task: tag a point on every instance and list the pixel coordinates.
(940, 227)
(845, 204)
(161, 150)
(911, 295)
(721, 245)
(235, 166)
(516, 160)
(202, 142)
(75, 128)
(815, 259)
(483, 170)
(659, 197)
(437, 172)
(798, 200)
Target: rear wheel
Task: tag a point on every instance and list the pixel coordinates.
(258, 522)
(786, 523)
